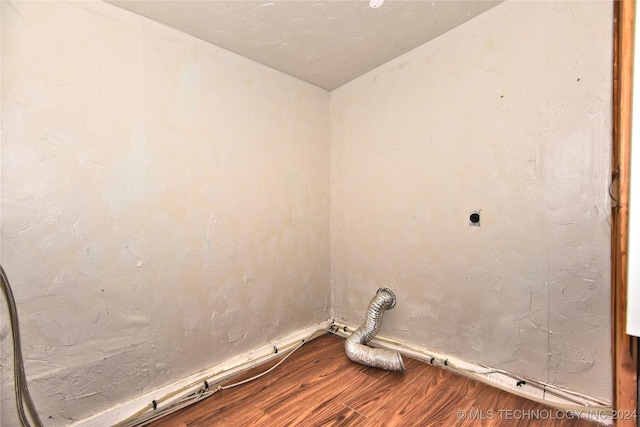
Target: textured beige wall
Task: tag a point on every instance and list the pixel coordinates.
(508, 114)
(165, 204)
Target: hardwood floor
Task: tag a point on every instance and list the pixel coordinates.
(319, 386)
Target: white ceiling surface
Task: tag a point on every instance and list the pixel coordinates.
(326, 43)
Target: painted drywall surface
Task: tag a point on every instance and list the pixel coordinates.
(165, 204)
(508, 114)
(327, 43)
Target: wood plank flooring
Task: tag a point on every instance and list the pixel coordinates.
(319, 386)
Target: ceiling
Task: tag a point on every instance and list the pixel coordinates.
(326, 43)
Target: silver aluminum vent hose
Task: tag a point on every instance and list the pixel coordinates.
(356, 345)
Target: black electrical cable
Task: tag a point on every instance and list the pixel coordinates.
(23, 397)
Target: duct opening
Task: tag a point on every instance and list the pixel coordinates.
(356, 345)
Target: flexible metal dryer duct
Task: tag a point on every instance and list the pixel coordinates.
(355, 345)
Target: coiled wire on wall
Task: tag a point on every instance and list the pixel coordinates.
(23, 397)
